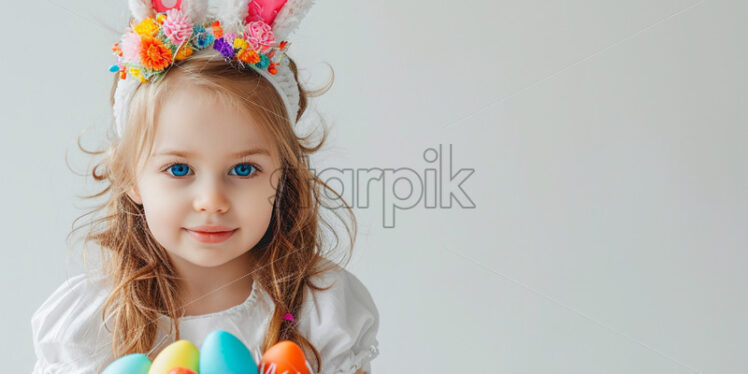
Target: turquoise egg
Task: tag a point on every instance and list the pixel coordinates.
(223, 353)
(135, 363)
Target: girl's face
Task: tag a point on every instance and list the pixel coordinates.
(210, 165)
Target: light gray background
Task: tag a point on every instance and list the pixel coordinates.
(608, 140)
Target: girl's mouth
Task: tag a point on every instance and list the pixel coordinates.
(211, 237)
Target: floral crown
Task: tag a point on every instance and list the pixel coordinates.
(249, 33)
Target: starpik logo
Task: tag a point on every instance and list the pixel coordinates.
(403, 188)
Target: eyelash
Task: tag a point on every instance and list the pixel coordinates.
(252, 175)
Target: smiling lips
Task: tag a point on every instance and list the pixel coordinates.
(211, 234)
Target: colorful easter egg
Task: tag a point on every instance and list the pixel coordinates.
(223, 352)
(181, 353)
(181, 371)
(135, 363)
(284, 357)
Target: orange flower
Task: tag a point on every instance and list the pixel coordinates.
(217, 30)
(248, 55)
(116, 49)
(154, 55)
(183, 53)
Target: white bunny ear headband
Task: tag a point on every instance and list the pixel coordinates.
(249, 32)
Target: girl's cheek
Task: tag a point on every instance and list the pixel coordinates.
(172, 185)
(166, 193)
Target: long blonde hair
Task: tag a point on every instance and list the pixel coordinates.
(292, 251)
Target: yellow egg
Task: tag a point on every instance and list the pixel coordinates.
(181, 353)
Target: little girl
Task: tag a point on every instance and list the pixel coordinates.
(212, 216)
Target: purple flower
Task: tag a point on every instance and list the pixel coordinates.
(226, 49)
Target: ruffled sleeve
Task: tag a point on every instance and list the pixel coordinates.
(342, 323)
(66, 329)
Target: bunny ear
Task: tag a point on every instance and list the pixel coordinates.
(164, 5)
(140, 9)
(283, 15)
(264, 10)
(197, 10)
(289, 17)
(231, 13)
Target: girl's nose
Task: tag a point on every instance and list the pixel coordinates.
(211, 198)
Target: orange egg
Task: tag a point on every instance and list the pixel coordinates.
(181, 371)
(286, 356)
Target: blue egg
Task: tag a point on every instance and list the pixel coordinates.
(135, 363)
(224, 353)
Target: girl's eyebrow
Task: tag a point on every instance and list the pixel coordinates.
(187, 154)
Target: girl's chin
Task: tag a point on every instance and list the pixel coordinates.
(208, 263)
(208, 259)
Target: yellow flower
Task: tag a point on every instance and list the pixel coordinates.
(183, 53)
(240, 43)
(135, 72)
(147, 27)
(160, 18)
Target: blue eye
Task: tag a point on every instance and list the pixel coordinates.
(244, 170)
(179, 170)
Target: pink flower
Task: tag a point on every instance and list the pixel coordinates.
(259, 35)
(177, 26)
(131, 47)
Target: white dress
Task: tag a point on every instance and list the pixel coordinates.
(341, 322)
